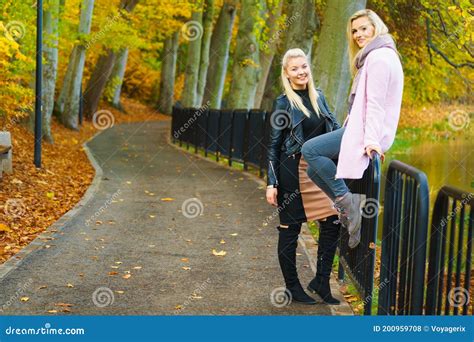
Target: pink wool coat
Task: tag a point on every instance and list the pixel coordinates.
(375, 112)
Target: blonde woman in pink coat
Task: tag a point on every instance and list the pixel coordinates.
(374, 110)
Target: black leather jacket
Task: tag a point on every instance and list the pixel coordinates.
(291, 138)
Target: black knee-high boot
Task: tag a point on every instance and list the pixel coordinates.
(328, 239)
(287, 243)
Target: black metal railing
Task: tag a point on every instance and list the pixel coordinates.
(450, 257)
(405, 227)
(359, 262)
(238, 135)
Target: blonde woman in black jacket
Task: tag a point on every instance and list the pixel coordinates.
(300, 113)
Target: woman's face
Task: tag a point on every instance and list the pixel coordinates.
(297, 72)
(362, 31)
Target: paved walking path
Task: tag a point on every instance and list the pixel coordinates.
(133, 238)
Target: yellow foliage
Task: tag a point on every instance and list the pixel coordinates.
(16, 98)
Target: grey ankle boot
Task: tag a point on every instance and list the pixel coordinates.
(350, 215)
(354, 239)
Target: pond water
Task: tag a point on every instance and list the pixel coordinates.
(449, 162)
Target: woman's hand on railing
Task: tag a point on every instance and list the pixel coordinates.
(272, 196)
(372, 148)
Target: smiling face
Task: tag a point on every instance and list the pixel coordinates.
(362, 31)
(298, 72)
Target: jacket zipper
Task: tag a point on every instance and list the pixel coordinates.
(296, 138)
(271, 165)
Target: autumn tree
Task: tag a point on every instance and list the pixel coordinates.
(68, 102)
(168, 72)
(207, 18)
(269, 44)
(300, 26)
(193, 31)
(220, 43)
(330, 63)
(104, 66)
(246, 62)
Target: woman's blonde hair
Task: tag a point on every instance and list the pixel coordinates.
(354, 50)
(293, 97)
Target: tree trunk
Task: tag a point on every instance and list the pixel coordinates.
(330, 64)
(59, 103)
(128, 5)
(168, 71)
(102, 72)
(193, 34)
(246, 67)
(72, 81)
(96, 84)
(302, 24)
(220, 43)
(50, 67)
(268, 51)
(208, 15)
(116, 78)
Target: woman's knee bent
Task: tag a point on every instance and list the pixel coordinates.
(310, 149)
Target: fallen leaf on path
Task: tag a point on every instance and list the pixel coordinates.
(25, 299)
(126, 276)
(120, 292)
(152, 216)
(42, 287)
(118, 262)
(184, 259)
(351, 299)
(114, 266)
(137, 268)
(234, 234)
(222, 242)
(52, 311)
(4, 228)
(178, 307)
(113, 273)
(220, 253)
(70, 285)
(167, 199)
(63, 305)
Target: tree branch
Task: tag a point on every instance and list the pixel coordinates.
(433, 47)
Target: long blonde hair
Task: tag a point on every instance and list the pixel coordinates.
(293, 97)
(354, 50)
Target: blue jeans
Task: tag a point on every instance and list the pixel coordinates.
(319, 153)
